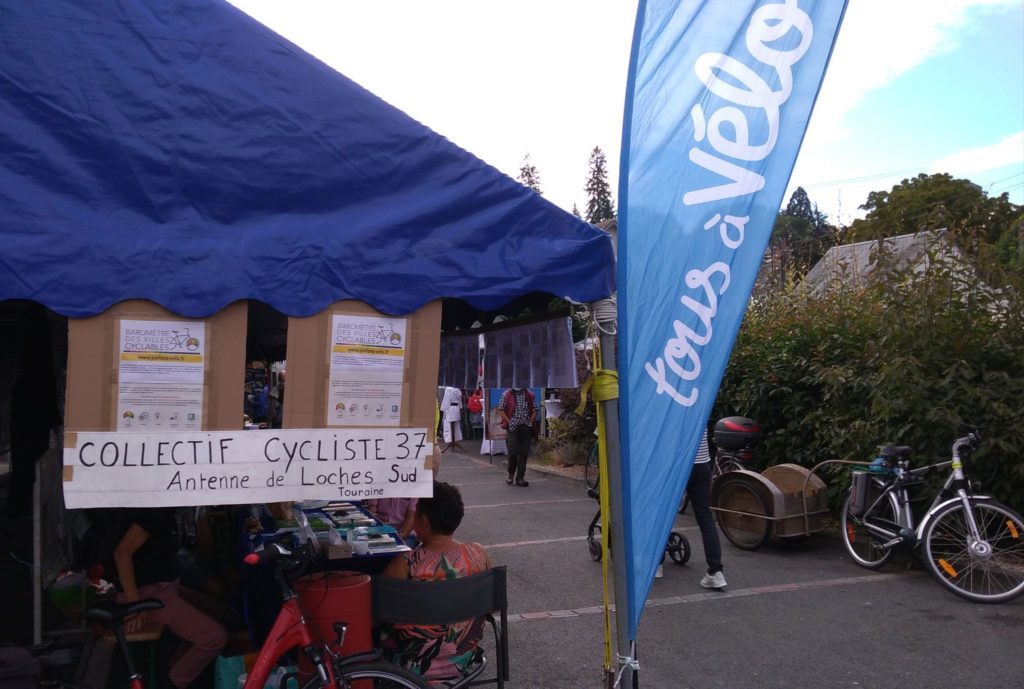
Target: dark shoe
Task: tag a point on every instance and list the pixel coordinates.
(509, 480)
(522, 483)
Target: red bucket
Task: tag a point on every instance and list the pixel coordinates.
(329, 597)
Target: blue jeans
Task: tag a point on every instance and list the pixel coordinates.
(699, 490)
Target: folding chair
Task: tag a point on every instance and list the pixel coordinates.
(405, 601)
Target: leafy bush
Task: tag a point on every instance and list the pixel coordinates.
(904, 359)
(571, 437)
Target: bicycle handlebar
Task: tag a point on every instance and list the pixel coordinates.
(272, 552)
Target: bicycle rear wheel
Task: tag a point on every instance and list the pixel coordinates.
(379, 675)
(864, 547)
(991, 571)
(749, 530)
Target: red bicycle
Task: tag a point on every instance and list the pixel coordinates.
(290, 633)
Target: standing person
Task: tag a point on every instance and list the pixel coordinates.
(517, 410)
(699, 490)
(451, 413)
(145, 563)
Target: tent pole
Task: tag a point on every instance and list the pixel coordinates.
(605, 314)
(37, 558)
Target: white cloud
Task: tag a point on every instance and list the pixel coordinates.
(1009, 151)
(880, 41)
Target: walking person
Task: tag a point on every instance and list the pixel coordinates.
(517, 410)
(699, 490)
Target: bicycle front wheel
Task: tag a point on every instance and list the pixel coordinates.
(988, 571)
(592, 473)
(864, 547)
(379, 675)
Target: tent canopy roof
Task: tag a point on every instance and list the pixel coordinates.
(183, 153)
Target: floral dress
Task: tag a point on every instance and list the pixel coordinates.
(441, 651)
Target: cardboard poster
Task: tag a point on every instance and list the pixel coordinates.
(243, 467)
(161, 366)
(367, 364)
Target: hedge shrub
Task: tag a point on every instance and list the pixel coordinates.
(904, 359)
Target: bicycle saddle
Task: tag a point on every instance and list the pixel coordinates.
(895, 452)
(110, 613)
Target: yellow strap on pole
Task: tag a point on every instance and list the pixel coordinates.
(603, 386)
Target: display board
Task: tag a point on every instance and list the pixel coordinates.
(353, 355)
(154, 409)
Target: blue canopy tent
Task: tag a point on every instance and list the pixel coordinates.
(182, 153)
(185, 154)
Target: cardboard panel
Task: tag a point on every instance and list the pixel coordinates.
(309, 352)
(92, 377)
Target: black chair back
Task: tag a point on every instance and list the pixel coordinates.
(406, 601)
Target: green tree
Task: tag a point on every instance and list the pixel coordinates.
(800, 237)
(599, 195)
(528, 175)
(931, 202)
(576, 211)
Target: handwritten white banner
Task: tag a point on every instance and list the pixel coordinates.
(243, 467)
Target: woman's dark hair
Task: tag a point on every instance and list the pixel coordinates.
(444, 511)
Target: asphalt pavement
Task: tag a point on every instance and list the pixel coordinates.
(794, 615)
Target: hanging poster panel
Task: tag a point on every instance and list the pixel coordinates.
(366, 370)
(538, 354)
(161, 366)
(493, 428)
(242, 467)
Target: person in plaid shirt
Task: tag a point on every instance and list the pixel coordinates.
(517, 410)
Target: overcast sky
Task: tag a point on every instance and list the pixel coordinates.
(914, 86)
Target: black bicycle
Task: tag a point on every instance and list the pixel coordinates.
(735, 439)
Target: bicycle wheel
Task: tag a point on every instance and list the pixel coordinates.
(684, 503)
(379, 675)
(727, 465)
(990, 571)
(749, 530)
(678, 548)
(592, 473)
(864, 548)
(594, 542)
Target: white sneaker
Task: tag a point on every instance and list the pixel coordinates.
(713, 581)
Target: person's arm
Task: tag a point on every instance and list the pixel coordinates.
(406, 526)
(501, 407)
(123, 560)
(398, 568)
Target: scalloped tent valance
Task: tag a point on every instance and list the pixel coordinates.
(185, 154)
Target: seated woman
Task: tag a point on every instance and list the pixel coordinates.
(436, 652)
(145, 562)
